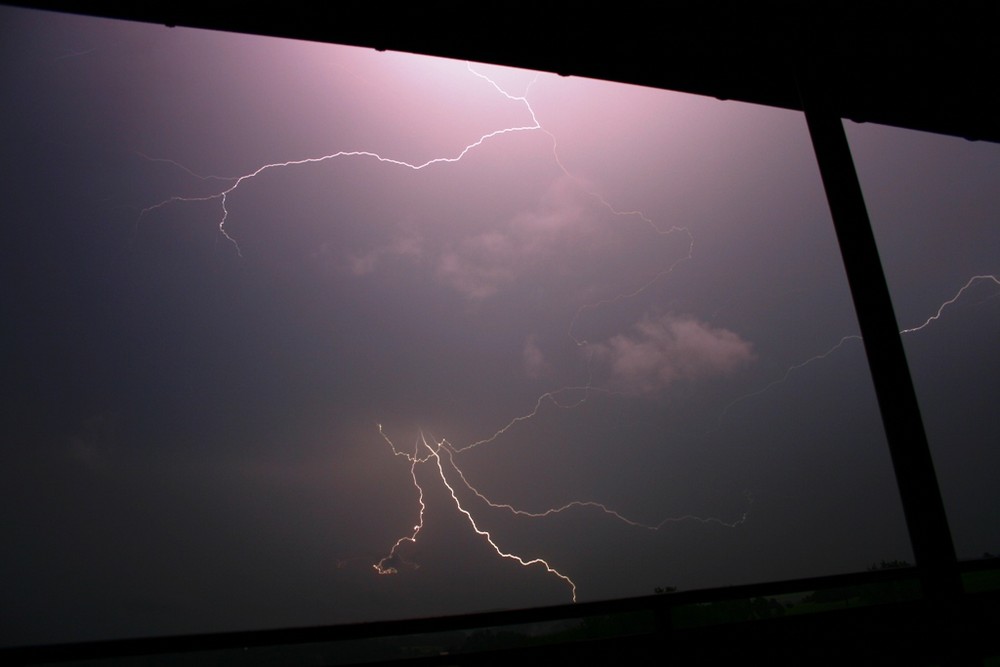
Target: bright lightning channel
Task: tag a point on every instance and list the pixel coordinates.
(435, 452)
(384, 565)
(223, 195)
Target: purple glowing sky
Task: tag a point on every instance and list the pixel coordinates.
(192, 441)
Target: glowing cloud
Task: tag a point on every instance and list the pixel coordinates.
(403, 246)
(480, 265)
(535, 365)
(665, 349)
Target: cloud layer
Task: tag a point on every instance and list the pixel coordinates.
(478, 263)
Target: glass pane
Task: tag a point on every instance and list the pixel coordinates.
(933, 201)
(272, 306)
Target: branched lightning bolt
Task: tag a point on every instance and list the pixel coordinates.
(383, 566)
(388, 564)
(439, 446)
(535, 126)
(224, 194)
(200, 177)
(435, 452)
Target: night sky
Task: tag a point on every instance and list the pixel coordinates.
(616, 295)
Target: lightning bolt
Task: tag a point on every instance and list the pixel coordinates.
(547, 397)
(940, 310)
(222, 196)
(384, 566)
(585, 504)
(433, 453)
(857, 338)
(535, 126)
(438, 447)
(441, 455)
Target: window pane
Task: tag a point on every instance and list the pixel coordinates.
(933, 201)
(273, 304)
